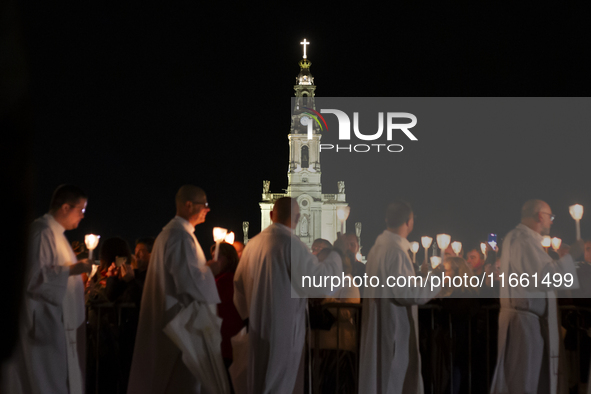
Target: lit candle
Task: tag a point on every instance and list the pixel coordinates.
(435, 261)
(426, 241)
(576, 211)
(457, 247)
(414, 248)
(483, 249)
(443, 242)
(229, 238)
(556, 242)
(219, 234)
(91, 241)
(342, 215)
(546, 242)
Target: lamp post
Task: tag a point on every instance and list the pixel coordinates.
(546, 242)
(219, 235)
(457, 247)
(576, 211)
(414, 248)
(426, 241)
(443, 242)
(91, 241)
(342, 215)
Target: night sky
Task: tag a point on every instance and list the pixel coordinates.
(130, 102)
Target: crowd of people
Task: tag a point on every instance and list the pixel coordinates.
(364, 339)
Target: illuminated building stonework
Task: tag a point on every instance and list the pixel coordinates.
(318, 210)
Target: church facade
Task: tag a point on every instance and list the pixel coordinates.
(321, 213)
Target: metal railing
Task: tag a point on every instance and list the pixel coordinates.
(453, 350)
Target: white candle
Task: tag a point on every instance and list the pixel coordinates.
(576, 211)
(219, 234)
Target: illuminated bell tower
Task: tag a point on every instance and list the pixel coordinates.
(318, 217)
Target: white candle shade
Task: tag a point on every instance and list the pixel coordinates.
(426, 241)
(343, 213)
(91, 241)
(219, 234)
(576, 211)
(443, 241)
(229, 239)
(483, 248)
(556, 242)
(457, 247)
(546, 241)
(414, 247)
(435, 261)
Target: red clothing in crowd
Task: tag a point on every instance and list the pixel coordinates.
(231, 323)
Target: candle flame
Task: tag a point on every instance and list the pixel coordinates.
(546, 241)
(91, 241)
(219, 234)
(414, 247)
(229, 238)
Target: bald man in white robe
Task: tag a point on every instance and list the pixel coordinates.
(177, 275)
(528, 340)
(263, 292)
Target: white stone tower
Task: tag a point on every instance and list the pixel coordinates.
(318, 210)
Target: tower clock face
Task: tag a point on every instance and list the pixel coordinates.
(304, 120)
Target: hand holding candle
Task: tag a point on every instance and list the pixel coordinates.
(219, 234)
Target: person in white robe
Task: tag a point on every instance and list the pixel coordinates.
(268, 291)
(528, 340)
(177, 275)
(389, 355)
(49, 354)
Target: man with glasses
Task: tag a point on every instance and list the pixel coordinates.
(177, 275)
(48, 355)
(527, 361)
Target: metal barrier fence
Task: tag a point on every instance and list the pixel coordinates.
(458, 347)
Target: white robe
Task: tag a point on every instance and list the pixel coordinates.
(263, 293)
(389, 357)
(50, 349)
(528, 344)
(177, 275)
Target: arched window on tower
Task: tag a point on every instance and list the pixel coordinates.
(305, 99)
(305, 157)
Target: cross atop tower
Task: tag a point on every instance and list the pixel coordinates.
(304, 43)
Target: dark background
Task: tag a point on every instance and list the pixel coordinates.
(130, 101)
